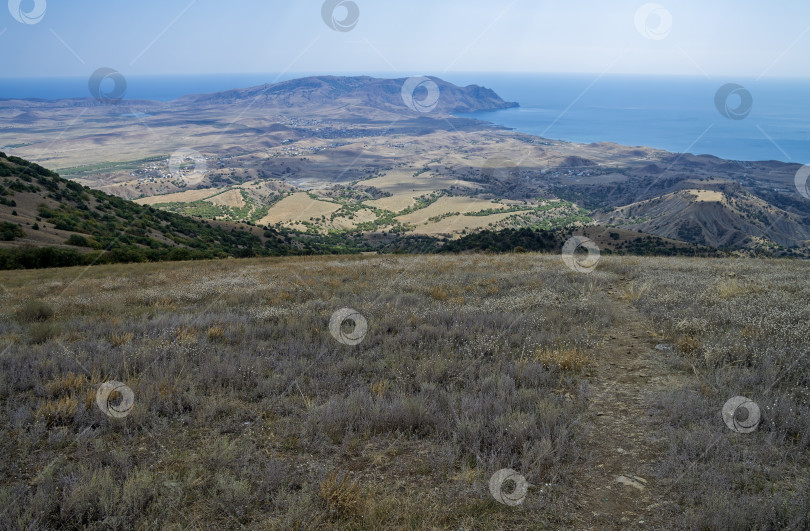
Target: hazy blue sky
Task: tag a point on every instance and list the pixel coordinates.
(708, 37)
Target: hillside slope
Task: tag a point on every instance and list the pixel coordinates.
(719, 219)
(39, 209)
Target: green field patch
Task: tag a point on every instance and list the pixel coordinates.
(110, 166)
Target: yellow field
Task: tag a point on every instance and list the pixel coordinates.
(449, 204)
(298, 207)
(180, 197)
(402, 182)
(362, 216)
(396, 202)
(231, 198)
(711, 196)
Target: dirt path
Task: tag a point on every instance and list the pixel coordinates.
(619, 490)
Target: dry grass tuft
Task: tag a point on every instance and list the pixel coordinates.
(688, 344)
(282, 297)
(69, 383)
(166, 303)
(215, 333)
(186, 334)
(731, 288)
(74, 387)
(59, 411)
(380, 388)
(633, 293)
(567, 359)
(120, 338)
(439, 293)
(342, 495)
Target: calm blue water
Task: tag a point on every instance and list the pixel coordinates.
(677, 114)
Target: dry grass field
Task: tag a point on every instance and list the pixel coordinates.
(444, 205)
(250, 409)
(298, 207)
(187, 196)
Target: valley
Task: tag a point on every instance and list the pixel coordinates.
(332, 155)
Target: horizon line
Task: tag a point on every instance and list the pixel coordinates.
(386, 75)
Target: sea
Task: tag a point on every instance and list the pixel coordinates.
(742, 119)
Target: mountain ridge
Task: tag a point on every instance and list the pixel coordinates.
(361, 90)
(311, 91)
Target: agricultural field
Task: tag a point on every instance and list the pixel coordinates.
(407, 392)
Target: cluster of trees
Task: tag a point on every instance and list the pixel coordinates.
(44, 257)
(10, 232)
(506, 240)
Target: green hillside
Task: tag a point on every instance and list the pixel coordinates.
(47, 221)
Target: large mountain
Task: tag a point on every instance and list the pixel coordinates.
(385, 94)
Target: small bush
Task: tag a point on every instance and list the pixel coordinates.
(77, 240)
(35, 311)
(42, 332)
